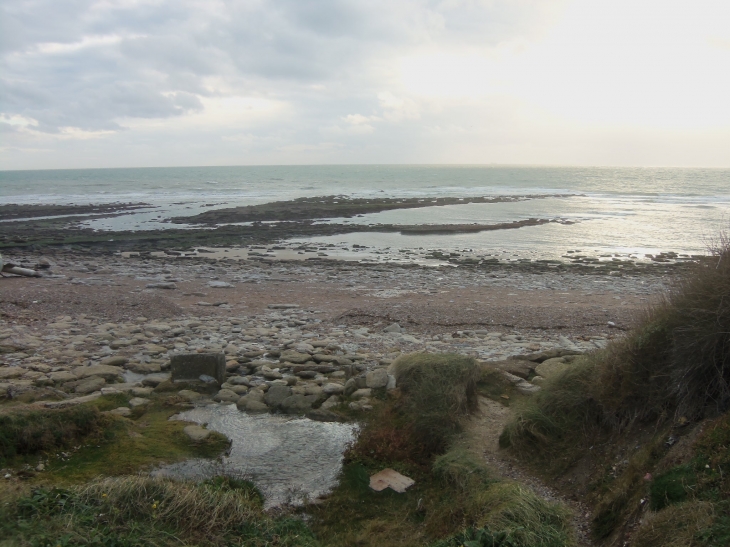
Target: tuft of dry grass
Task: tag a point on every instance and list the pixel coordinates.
(440, 389)
(676, 526)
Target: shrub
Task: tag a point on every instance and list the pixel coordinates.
(565, 406)
(678, 359)
(675, 362)
(439, 390)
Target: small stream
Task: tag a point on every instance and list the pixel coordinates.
(288, 458)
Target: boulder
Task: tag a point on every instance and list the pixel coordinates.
(121, 411)
(292, 356)
(196, 433)
(333, 389)
(226, 396)
(189, 395)
(276, 395)
(154, 380)
(295, 404)
(116, 361)
(350, 387)
(552, 367)
(393, 327)
(138, 401)
(376, 378)
(62, 376)
(90, 385)
(360, 393)
(332, 401)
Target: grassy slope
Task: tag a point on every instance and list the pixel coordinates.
(619, 413)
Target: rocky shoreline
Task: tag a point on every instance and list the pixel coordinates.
(298, 336)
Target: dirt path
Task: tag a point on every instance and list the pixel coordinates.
(484, 430)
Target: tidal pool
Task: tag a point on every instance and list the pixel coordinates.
(288, 458)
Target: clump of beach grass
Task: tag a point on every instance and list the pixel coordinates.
(440, 389)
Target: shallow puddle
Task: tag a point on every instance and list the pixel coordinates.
(288, 458)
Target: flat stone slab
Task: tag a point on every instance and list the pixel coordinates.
(389, 478)
(107, 372)
(169, 286)
(71, 402)
(121, 411)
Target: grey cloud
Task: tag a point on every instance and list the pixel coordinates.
(157, 56)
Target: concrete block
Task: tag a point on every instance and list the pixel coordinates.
(190, 366)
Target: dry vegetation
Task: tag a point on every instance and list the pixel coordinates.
(667, 377)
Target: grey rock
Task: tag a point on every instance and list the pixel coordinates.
(276, 395)
(292, 356)
(121, 411)
(333, 389)
(107, 372)
(62, 376)
(141, 391)
(116, 361)
(138, 401)
(196, 433)
(393, 327)
(350, 387)
(552, 367)
(226, 396)
(153, 380)
(94, 383)
(189, 395)
(527, 388)
(360, 393)
(296, 404)
(391, 382)
(376, 378)
(334, 400)
(219, 285)
(169, 286)
(283, 306)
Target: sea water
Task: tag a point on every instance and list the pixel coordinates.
(601, 209)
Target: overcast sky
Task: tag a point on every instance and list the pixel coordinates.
(115, 83)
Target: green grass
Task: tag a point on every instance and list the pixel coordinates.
(672, 487)
(140, 511)
(128, 446)
(26, 431)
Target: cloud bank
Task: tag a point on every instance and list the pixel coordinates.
(95, 83)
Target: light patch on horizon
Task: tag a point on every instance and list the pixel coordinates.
(538, 81)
